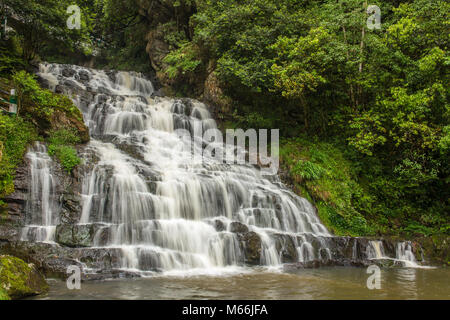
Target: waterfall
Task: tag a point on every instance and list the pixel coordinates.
(42, 207)
(375, 250)
(162, 209)
(404, 255)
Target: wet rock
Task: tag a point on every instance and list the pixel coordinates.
(133, 150)
(71, 84)
(434, 249)
(75, 235)
(109, 274)
(112, 75)
(19, 279)
(60, 120)
(50, 259)
(158, 93)
(71, 208)
(99, 258)
(238, 227)
(68, 72)
(214, 95)
(286, 246)
(16, 201)
(388, 263)
(59, 89)
(219, 225)
(43, 82)
(84, 75)
(251, 243)
(9, 232)
(103, 90)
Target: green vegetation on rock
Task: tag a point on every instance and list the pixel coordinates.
(320, 172)
(15, 135)
(19, 279)
(42, 115)
(61, 144)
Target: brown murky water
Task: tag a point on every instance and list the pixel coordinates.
(324, 283)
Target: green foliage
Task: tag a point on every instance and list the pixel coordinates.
(43, 101)
(381, 96)
(63, 137)
(61, 146)
(4, 295)
(308, 170)
(10, 57)
(181, 61)
(41, 24)
(15, 135)
(119, 35)
(252, 120)
(322, 174)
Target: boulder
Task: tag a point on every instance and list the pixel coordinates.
(50, 259)
(84, 75)
(75, 235)
(251, 243)
(68, 72)
(286, 246)
(19, 279)
(238, 227)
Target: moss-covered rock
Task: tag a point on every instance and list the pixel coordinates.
(435, 249)
(19, 279)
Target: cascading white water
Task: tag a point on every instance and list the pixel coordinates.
(164, 209)
(42, 207)
(403, 253)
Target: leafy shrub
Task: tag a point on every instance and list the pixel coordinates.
(63, 137)
(181, 61)
(15, 135)
(308, 170)
(61, 146)
(41, 102)
(10, 60)
(67, 156)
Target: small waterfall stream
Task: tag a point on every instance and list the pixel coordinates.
(403, 253)
(42, 208)
(162, 209)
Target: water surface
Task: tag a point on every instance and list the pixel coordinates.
(323, 283)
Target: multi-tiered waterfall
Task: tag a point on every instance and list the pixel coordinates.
(146, 197)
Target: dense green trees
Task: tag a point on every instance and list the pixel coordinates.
(42, 25)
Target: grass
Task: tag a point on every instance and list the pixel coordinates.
(320, 173)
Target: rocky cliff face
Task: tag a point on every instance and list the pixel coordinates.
(163, 18)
